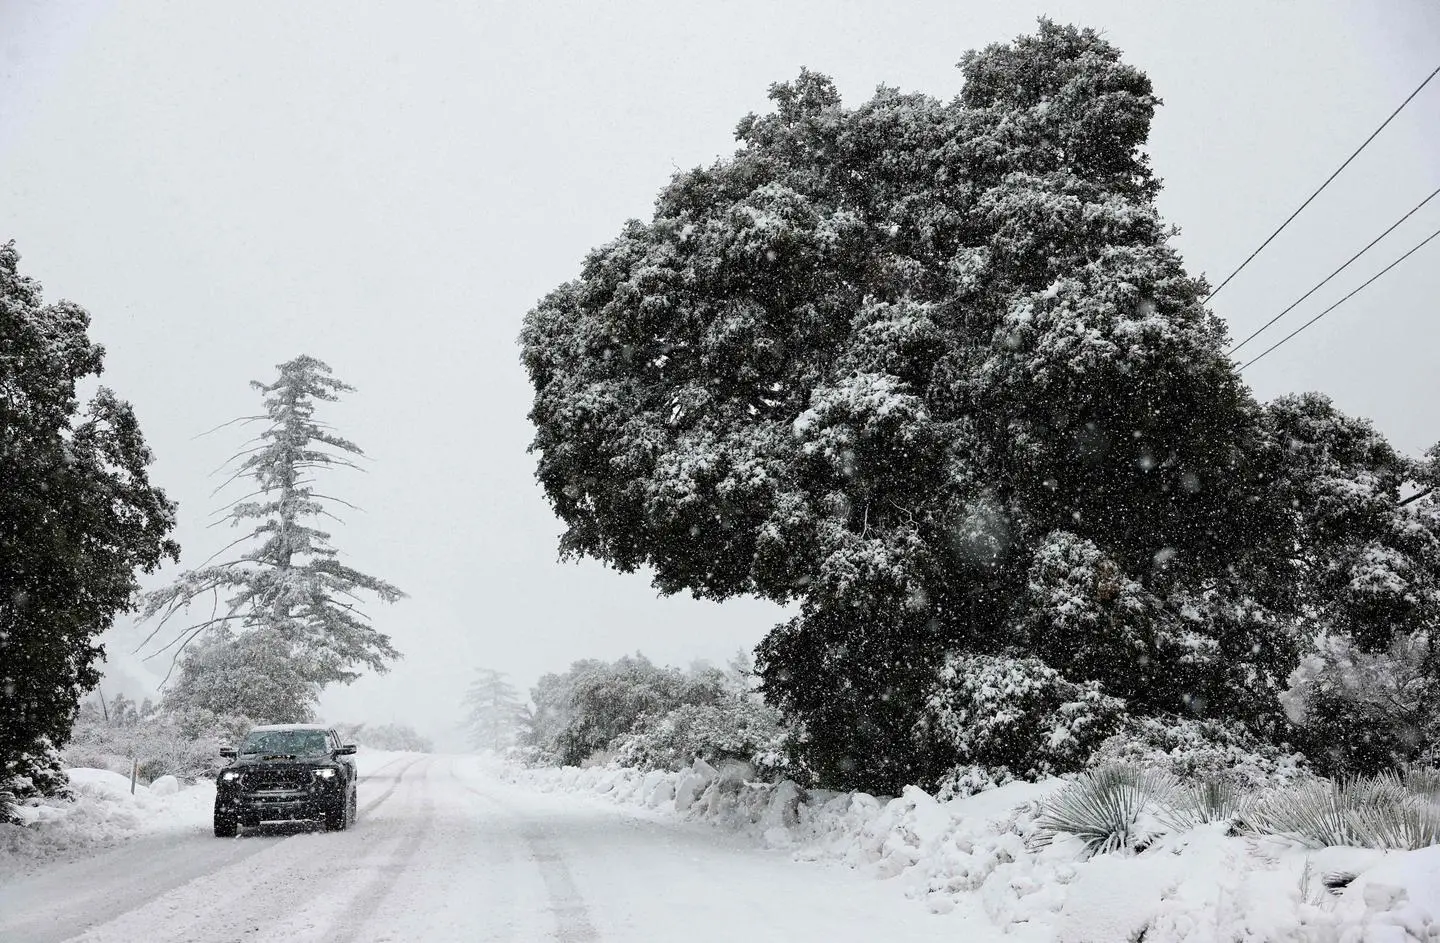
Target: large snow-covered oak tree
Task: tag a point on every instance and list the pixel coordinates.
(290, 610)
(934, 371)
(78, 517)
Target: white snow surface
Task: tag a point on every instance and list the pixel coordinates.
(465, 848)
(977, 860)
(446, 850)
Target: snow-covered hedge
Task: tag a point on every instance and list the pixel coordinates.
(1007, 717)
(1191, 749)
(734, 727)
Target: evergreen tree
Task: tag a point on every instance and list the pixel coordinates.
(78, 518)
(935, 371)
(493, 710)
(288, 602)
(253, 675)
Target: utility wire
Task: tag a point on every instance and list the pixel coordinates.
(1312, 196)
(1415, 497)
(1352, 294)
(1322, 283)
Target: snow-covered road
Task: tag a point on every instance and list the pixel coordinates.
(445, 851)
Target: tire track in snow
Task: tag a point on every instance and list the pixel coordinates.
(92, 904)
(368, 899)
(309, 885)
(370, 806)
(572, 917)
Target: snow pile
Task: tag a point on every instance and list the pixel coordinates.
(984, 855)
(103, 812)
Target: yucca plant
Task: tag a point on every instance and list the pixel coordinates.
(1106, 807)
(1414, 823)
(1200, 803)
(1378, 812)
(1423, 781)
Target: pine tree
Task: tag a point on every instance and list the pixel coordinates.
(78, 518)
(287, 596)
(494, 712)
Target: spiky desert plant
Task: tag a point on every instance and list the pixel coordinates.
(1407, 825)
(1423, 781)
(1373, 812)
(1209, 800)
(1107, 807)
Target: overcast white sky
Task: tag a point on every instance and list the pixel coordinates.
(390, 187)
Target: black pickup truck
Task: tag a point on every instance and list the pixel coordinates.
(286, 773)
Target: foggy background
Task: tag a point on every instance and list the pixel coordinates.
(390, 188)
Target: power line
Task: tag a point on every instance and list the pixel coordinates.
(1393, 226)
(1352, 294)
(1312, 196)
(1415, 497)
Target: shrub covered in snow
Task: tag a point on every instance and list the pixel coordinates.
(32, 774)
(184, 743)
(1192, 749)
(590, 706)
(1015, 717)
(734, 727)
(1368, 711)
(387, 737)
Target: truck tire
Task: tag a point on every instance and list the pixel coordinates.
(226, 825)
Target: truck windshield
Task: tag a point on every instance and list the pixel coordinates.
(285, 742)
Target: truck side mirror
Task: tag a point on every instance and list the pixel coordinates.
(228, 752)
(347, 750)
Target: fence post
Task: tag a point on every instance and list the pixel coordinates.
(134, 767)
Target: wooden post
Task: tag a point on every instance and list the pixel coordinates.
(134, 768)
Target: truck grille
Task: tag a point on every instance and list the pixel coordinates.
(277, 778)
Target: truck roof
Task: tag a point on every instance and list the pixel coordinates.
(265, 727)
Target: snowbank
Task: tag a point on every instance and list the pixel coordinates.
(103, 813)
(982, 855)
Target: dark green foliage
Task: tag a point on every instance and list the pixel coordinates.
(934, 370)
(1016, 716)
(78, 515)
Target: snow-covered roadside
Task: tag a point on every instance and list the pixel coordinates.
(979, 855)
(105, 813)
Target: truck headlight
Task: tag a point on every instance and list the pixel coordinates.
(229, 776)
(325, 773)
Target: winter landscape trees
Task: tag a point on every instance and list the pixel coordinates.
(79, 518)
(649, 715)
(493, 712)
(934, 372)
(284, 616)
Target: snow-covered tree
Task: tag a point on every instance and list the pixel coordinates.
(492, 709)
(873, 359)
(252, 674)
(286, 597)
(78, 518)
(584, 709)
(935, 371)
